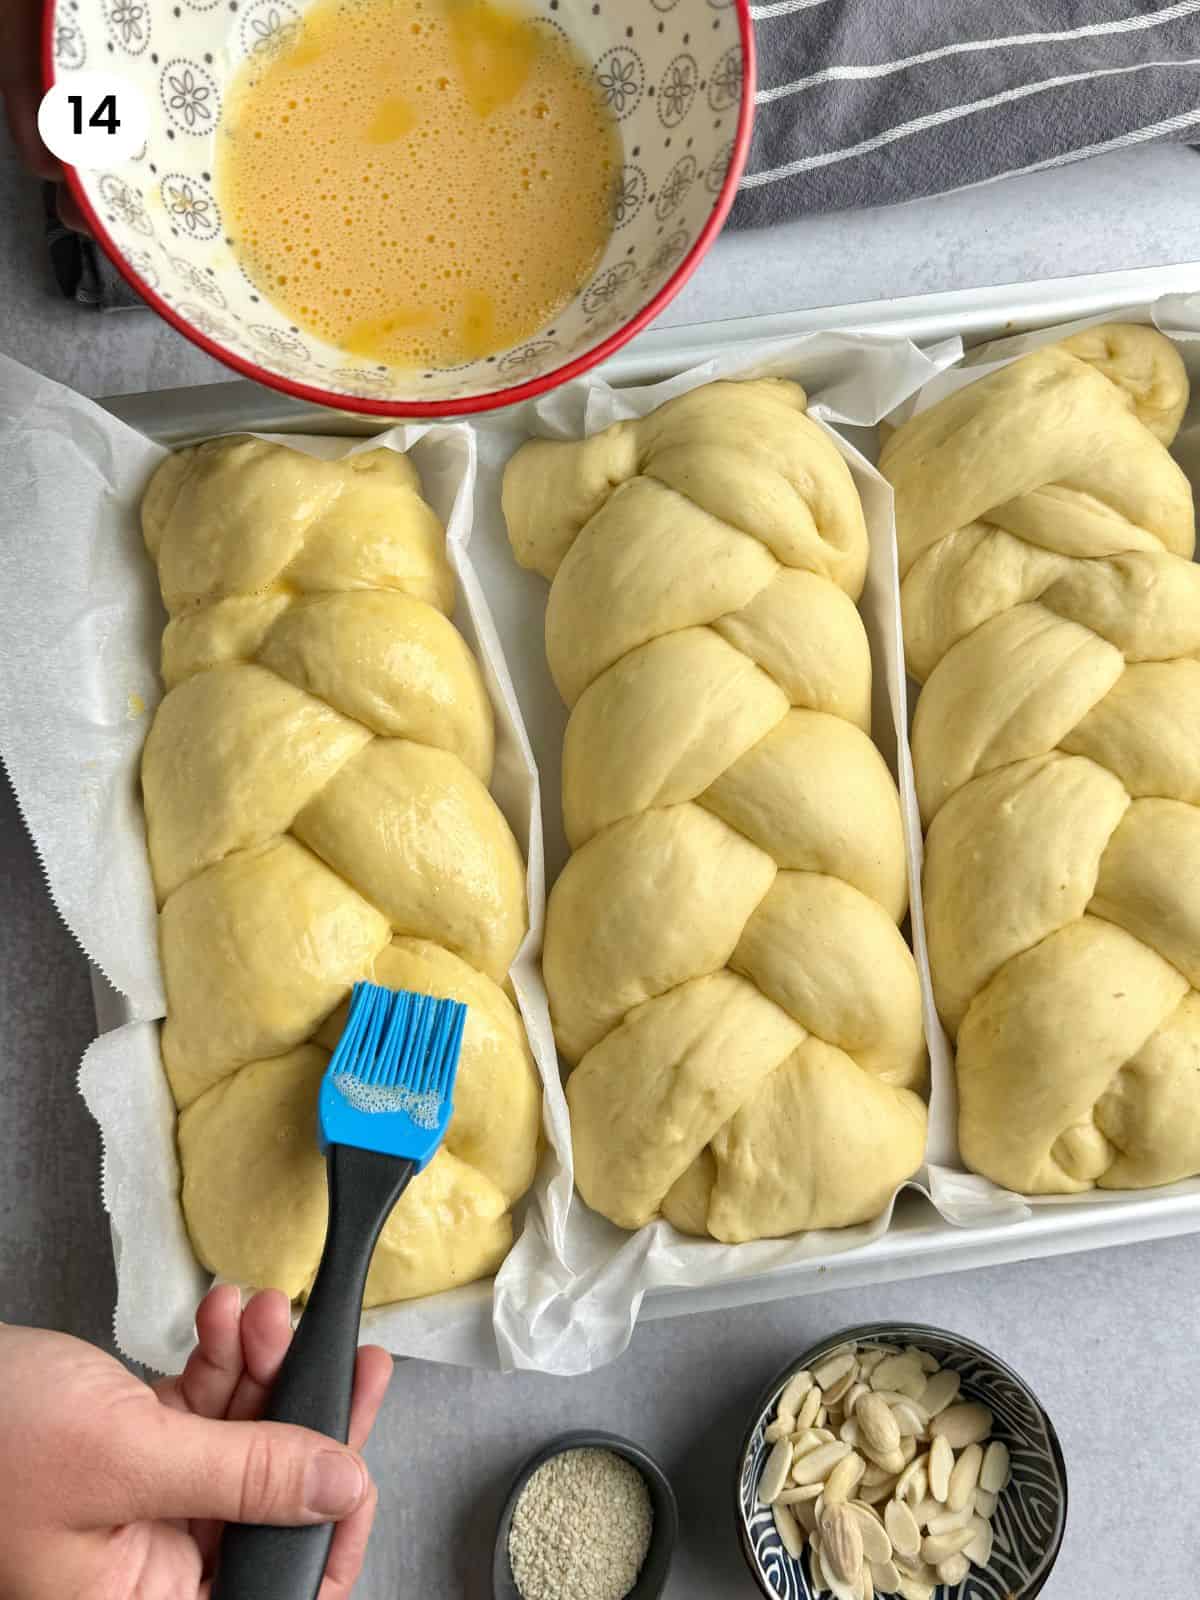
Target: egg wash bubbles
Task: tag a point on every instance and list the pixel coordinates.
(420, 182)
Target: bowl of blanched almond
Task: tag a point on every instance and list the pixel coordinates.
(896, 1459)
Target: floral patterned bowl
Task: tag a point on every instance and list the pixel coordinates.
(1030, 1517)
(678, 75)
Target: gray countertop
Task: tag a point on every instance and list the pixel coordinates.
(1108, 1339)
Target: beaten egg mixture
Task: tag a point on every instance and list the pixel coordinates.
(420, 182)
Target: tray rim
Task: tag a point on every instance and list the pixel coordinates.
(915, 1245)
(178, 416)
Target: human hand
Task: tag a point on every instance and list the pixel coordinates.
(114, 1490)
(21, 87)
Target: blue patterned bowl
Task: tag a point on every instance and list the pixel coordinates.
(1032, 1511)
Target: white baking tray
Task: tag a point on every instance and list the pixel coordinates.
(919, 1241)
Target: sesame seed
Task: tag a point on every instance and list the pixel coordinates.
(581, 1528)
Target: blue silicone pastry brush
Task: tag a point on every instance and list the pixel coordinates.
(384, 1106)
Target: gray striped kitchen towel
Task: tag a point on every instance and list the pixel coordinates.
(866, 102)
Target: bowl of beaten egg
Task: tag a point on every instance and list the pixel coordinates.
(414, 207)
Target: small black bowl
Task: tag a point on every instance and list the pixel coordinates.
(652, 1579)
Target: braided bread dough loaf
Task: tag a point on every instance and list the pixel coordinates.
(722, 954)
(317, 812)
(1052, 607)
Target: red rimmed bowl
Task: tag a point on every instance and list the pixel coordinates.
(677, 74)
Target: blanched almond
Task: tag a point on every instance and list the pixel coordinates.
(938, 1547)
(995, 1472)
(834, 1391)
(948, 1521)
(901, 1373)
(985, 1502)
(816, 1465)
(941, 1389)
(816, 1565)
(925, 1511)
(848, 1432)
(841, 1543)
(805, 1513)
(902, 1528)
(929, 1364)
(802, 1443)
(913, 1588)
(915, 1568)
(843, 1480)
(866, 1583)
(913, 1388)
(779, 1429)
(910, 1419)
(833, 1367)
(774, 1473)
(980, 1548)
(941, 1465)
(892, 1396)
(791, 1534)
(794, 1493)
(839, 1588)
(878, 1430)
(912, 1481)
(916, 1490)
(876, 1493)
(809, 1407)
(875, 1542)
(962, 1424)
(794, 1391)
(954, 1570)
(861, 1506)
(886, 1576)
(853, 1395)
(965, 1476)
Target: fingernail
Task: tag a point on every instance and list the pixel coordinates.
(334, 1484)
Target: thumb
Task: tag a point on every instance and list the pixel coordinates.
(240, 1472)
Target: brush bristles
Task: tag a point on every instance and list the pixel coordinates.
(394, 1039)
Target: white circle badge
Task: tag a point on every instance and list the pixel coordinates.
(91, 119)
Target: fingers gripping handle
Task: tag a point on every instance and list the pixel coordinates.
(316, 1382)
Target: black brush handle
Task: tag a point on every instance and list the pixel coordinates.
(316, 1380)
